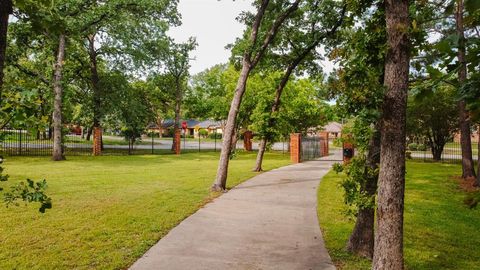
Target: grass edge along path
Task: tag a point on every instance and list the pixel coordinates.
(440, 231)
(109, 210)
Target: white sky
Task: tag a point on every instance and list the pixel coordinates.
(213, 24)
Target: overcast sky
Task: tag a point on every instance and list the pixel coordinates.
(213, 24)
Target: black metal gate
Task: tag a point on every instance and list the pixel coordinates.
(311, 147)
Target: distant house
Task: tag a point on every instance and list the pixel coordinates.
(210, 126)
(193, 127)
(165, 129)
(474, 137)
(334, 129)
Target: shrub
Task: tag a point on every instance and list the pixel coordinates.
(203, 133)
(408, 155)
(412, 147)
(213, 135)
(421, 147)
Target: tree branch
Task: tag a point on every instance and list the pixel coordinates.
(273, 32)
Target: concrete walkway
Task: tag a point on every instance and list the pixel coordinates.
(268, 222)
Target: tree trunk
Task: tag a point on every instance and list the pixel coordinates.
(437, 152)
(361, 241)
(261, 152)
(89, 133)
(221, 179)
(464, 119)
(388, 251)
(275, 108)
(95, 80)
(234, 140)
(97, 93)
(248, 63)
(5, 11)
(178, 103)
(278, 92)
(477, 183)
(57, 105)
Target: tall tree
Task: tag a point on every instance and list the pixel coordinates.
(176, 62)
(388, 250)
(433, 118)
(120, 30)
(6, 8)
(58, 101)
(265, 23)
(303, 35)
(468, 169)
(358, 89)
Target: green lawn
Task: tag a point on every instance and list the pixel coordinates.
(107, 211)
(440, 231)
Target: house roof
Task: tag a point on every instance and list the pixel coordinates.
(167, 123)
(209, 124)
(333, 127)
(191, 123)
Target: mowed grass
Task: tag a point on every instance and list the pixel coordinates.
(440, 231)
(107, 211)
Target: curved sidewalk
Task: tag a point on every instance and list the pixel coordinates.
(268, 222)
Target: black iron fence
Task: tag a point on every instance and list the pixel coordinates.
(311, 147)
(450, 153)
(14, 142)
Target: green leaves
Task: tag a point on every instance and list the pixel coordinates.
(29, 192)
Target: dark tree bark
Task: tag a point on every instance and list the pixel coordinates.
(178, 104)
(437, 142)
(477, 182)
(95, 80)
(361, 241)
(57, 104)
(261, 152)
(468, 169)
(248, 63)
(437, 152)
(388, 251)
(97, 91)
(6, 7)
(89, 133)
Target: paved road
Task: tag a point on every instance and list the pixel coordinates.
(268, 222)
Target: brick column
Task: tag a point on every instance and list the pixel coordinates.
(247, 140)
(295, 147)
(324, 144)
(178, 141)
(97, 141)
(347, 145)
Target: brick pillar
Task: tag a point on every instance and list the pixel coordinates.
(97, 141)
(247, 140)
(178, 141)
(324, 144)
(348, 145)
(295, 147)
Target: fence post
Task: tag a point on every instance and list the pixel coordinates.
(177, 141)
(348, 152)
(20, 142)
(152, 134)
(215, 138)
(324, 151)
(97, 141)
(295, 147)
